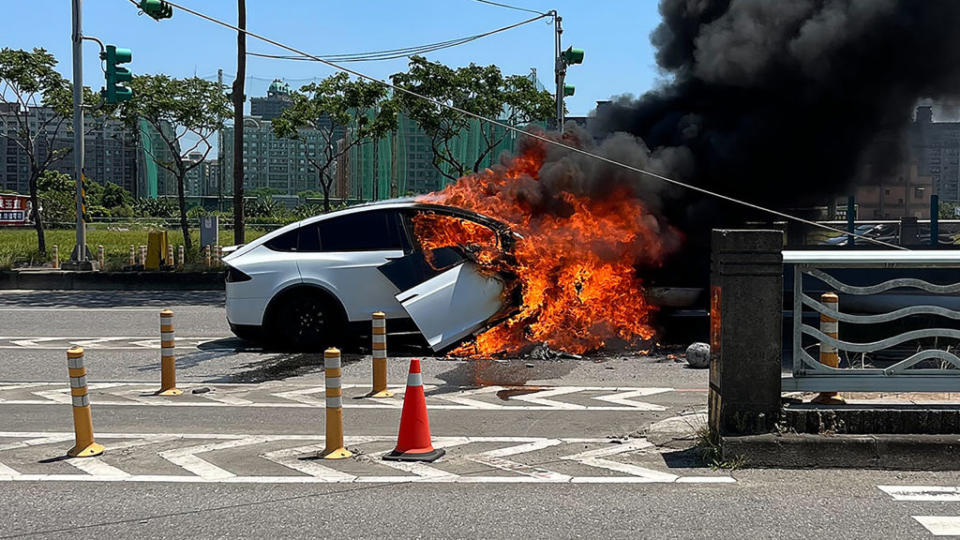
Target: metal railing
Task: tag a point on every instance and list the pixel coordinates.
(900, 362)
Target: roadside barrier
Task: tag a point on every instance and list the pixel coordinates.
(413, 441)
(168, 359)
(379, 348)
(55, 257)
(183, 255)
(133, 259)
(85, 445)
(206, 255)
(170, 261)
(334, 425)
(100, 256)
(828, 353)
(143, 256)
(218, 251)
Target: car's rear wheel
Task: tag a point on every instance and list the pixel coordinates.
(306, 320)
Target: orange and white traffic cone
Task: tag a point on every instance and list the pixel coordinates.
(413, 442)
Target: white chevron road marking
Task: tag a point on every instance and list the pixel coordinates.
(313, 471)
(922, 493)
(940, 525)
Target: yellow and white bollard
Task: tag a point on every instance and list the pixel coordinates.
(206, 255)
(379, 347)
(828, 353)
(55, 258)
(133, 257)
(334, 425)
(168, 359)
(183, 255)
(218, 250)
(82, 419)
(170, 261)
(143, 256)
(100, 258)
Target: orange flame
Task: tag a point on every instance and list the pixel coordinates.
(576, 268)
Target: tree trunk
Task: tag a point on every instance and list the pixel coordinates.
(37, 217)
(182, 203)
(326, 197)
(238, 83)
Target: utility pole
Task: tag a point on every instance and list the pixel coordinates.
(79, 258)
(220, 154)
(560, 69)
(238, 99)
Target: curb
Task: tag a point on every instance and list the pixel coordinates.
(112, 281)
(899, 452)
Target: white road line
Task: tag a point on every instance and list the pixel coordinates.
(940, 525)
(540, 398)
(95, 467)
(495, 458)
(186, 458)
(594, 458)
(624, 398)
(923, 493)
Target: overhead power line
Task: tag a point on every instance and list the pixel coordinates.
(536, 136)
(508, 6)
(391, 54)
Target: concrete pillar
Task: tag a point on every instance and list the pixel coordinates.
(746, 316)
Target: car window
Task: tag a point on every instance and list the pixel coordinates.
(364, 231)
(285, 242)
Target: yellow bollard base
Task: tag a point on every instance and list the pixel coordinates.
(829, 398)
(170, 392)
(339, 453)
(92, 449)
(381, 394)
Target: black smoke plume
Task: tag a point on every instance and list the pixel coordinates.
(779, 102)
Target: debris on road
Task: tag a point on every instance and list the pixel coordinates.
(698, 355)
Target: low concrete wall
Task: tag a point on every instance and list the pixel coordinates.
(118, 281)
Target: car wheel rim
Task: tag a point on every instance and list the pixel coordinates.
(308, 321)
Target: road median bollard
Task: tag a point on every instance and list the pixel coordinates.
(170, 262)
(100, 257)
(828, 353)
(143, 256)
(218, 255)
(133, 259)
(55, 259)
(206, 255)
(183, 255)
(82, 419)
(168, 359)
(379, 348)
(334, 397)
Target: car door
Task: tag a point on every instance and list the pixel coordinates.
(453, 304)
(342, 254)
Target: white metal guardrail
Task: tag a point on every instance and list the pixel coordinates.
(925, 370)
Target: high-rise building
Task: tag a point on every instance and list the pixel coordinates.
(110, 148)
(277, 99)
(936, 148)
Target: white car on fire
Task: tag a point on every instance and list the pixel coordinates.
(311, 283)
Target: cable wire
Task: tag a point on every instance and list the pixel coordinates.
(391, 54)
(508, 6)
(535, 136)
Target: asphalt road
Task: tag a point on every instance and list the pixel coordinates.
(535, 448)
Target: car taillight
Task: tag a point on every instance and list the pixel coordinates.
(234, 275)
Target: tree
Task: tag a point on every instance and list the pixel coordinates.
(325, 107)
(40, 102)
(482, 90)
(194, 107)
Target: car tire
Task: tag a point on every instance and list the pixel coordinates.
(306, 321)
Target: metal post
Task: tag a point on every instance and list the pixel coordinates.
(80, 251)
(935, 221)
(851, 221)
(219, 155)
(560, 70)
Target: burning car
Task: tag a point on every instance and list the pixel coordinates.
(307, 283)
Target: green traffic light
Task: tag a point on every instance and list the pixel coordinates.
(572, 56)
(157, 9)
(115, 92)
(568, 90)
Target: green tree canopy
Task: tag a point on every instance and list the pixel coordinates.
(328, 107)
(481, 90)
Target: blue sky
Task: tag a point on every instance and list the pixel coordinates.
(614, 34)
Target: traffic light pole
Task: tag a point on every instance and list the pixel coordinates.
(79, 255)
(560, 69)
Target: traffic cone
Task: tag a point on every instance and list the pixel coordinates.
(413, 442)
